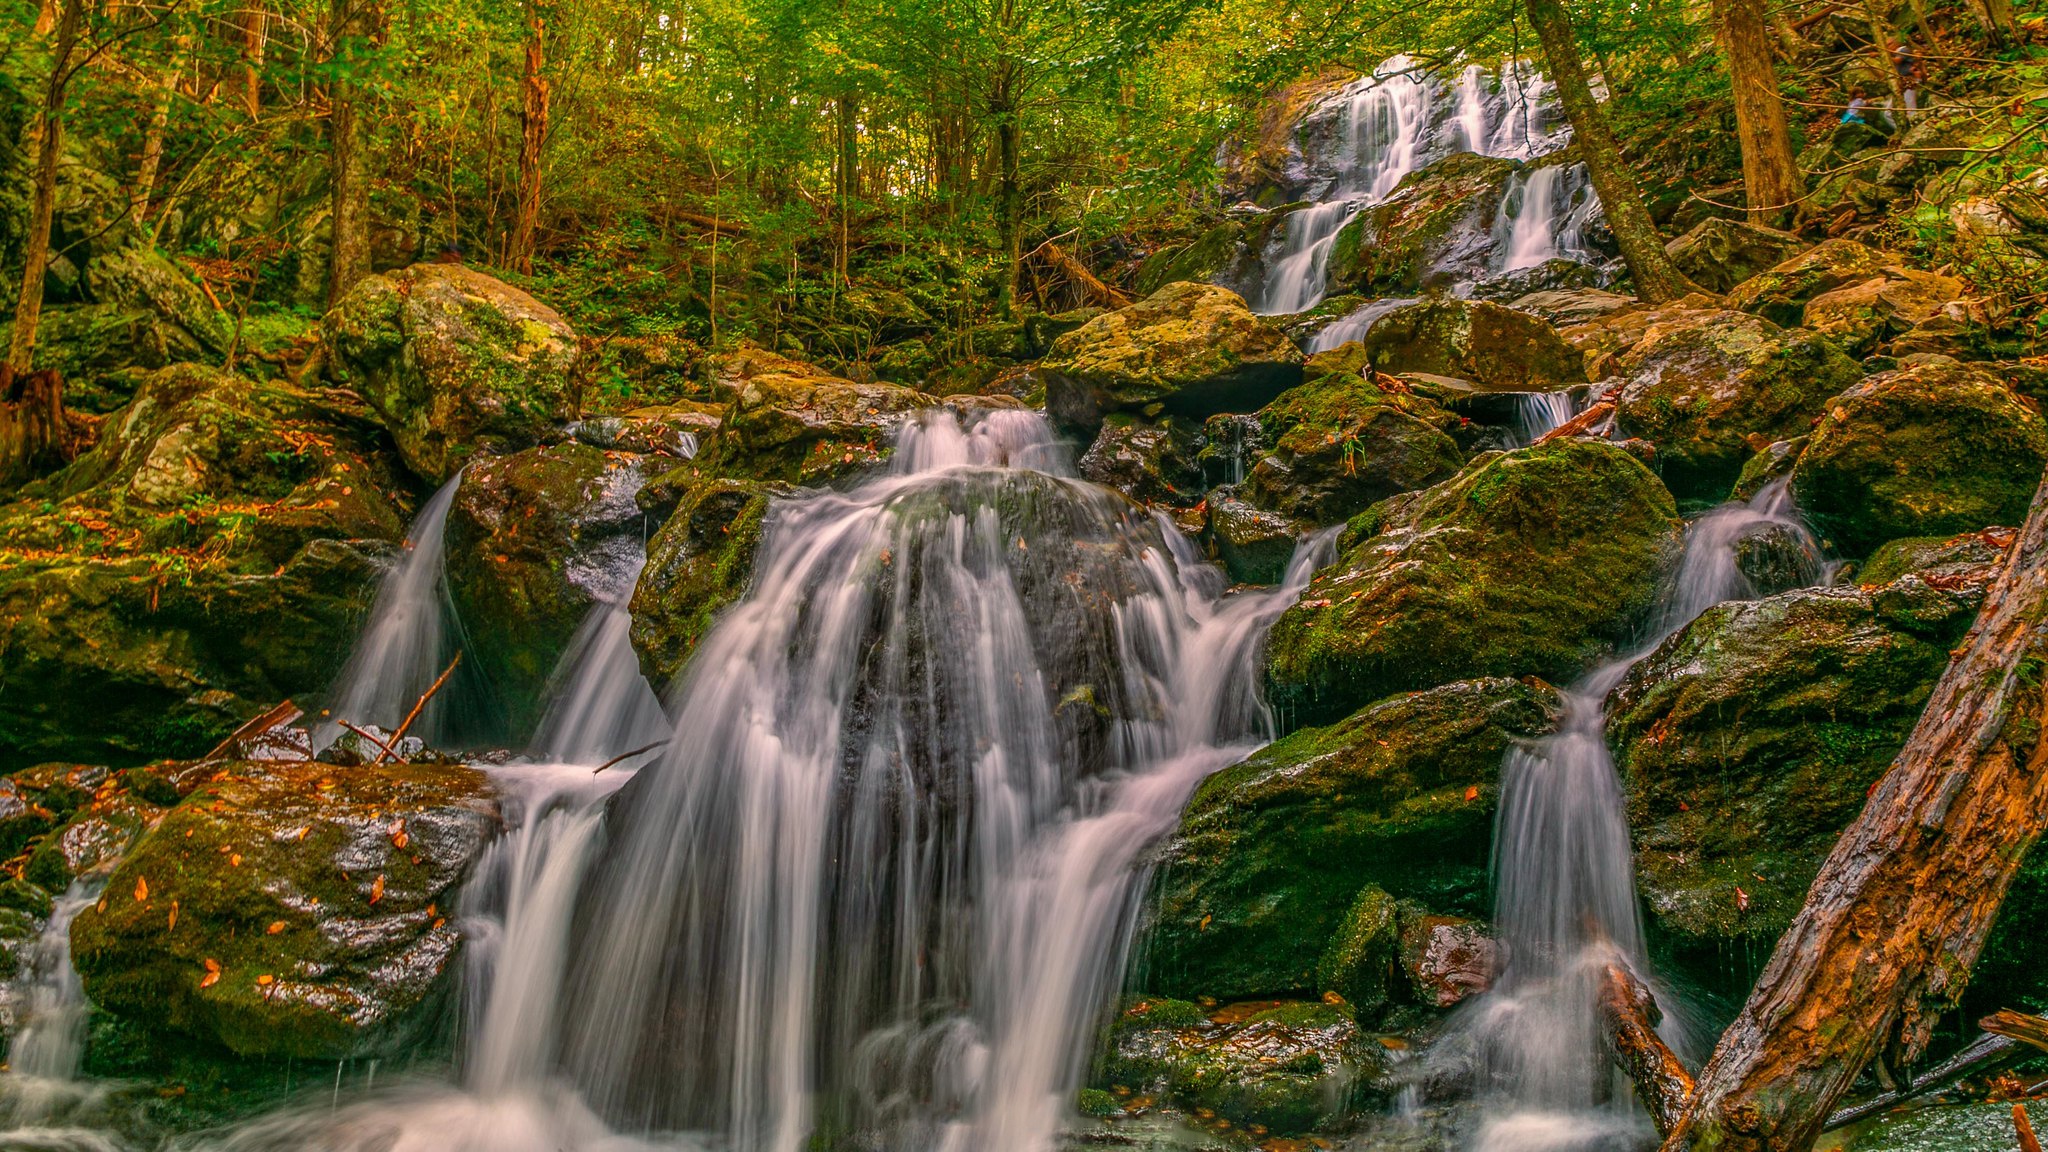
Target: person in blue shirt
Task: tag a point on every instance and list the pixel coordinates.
(1859, 104)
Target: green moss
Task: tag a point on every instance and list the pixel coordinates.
(1096, 1102)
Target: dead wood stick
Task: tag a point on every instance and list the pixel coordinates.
(1986, 1053)
(627, 756)
(1579, 424)
(275, 717)
(2024, 1127)
(372, 738)
(1631, 1015)
(418, 705)
(1079, 274)
(2017, 1025)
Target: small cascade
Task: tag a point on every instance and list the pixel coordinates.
(600, 705)
(1342, 331)
(41, 1089)
(409, 639)
(1529, 212)
(1565, 896)
(1526, 122)
(1541, 412)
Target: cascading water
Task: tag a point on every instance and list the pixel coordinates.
(601, 706)
(1542, 412)
(880, 883)
(409, 638)
(1565, 897)
(1543, 216)
(41, 1089)
(1342, 331)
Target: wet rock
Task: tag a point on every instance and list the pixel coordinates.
(698, 563)
(1567, 307)
(1435, 230)
(1603, 338)
(1149, 461)
(455, 363)
(1719, 254)
(1525, 563)
(1253, 543)
(1226, 254)
(1780, 294)
(292, 910)
(1701, 385)
(1863, 317)
(637, 371)
(1189, 349)
(534, 540)
(1363, 955)
(1489, 344)
(1774, 461)
(1447, 958)
(1340, 443)
(1554, 276)
(676, 431)
(1282, 1067)
(1748, 740)
(793, 422)
(1924, 451)
(1271, 884)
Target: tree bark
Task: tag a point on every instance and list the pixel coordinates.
(1902, 907)
(1657, 279)
(34, 431)
(35, 248)
(1009, 185)
(255, 22)
(533, 122)
(153, 137)
(1630, 1015)
(1770, 176)
(348, 167)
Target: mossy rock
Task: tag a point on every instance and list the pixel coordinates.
(1151, 461)
(1191, 350)
(1205, 259)
(292, 909)
(1493, 346)
(698, 563)
(1867, 316)
(455, 362)
(1718, 254)
(1750, 739)
(1436, 229)
(535, 539)
(104, 350)
(1703, 386)
(792, 422)
(1930, 450)
(140, 278)
(1282, 1067)
(1780, 294)
(1340, 443)
(1526, 563)
(1266, 887)
(1253, 543)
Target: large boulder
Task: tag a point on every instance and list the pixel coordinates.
(1704, 385)
(140, 278)
(292, 909)
(1493, 346)
(1341, 443)
(1188, 350)
(534, 540)
(104, 351)
(1780, 294)
(454, 361)
(1526, 563)
(1276, 857)
(1928, 450)
(1435, 230)
(1271, 1069)
(790, 421)
(1749, 740)
(1864, 316)
(1152, 462)
(698, 563)
(1718, 254)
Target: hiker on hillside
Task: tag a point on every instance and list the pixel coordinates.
(1859, 107)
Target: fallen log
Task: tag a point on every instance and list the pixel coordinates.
(276, 717)
(2017, 1026)
(1902, 907)
(1091, 287)
(1581, 424)
(1986, 1053)
(1631, 1016)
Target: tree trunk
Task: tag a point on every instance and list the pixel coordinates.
(255, 21)
(1902, 907)
(1009, 186)
(1769, 174)
(847, 174)
(348, 167)
(533, 121)
(34, 432)
(46, 17)
(1657, 279)
(35, 248)
(153, 137)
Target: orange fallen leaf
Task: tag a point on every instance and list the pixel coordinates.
(234, 859)
(1472, 792)
(141, 889)
(377, 890)
(212, 976)
(276, 926)
(265, 980)
(174, 917)
(1741, 899)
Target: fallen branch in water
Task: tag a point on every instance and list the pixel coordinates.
(1631, 1016)
(627, 756)
(372, 738)
(1579, 424)
(1985, 1054)
(421, 703)
(276, 717)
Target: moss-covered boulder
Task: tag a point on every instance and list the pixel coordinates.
(1865, 316)
(1526, 563)
(1259, 891)
(698, 563)
(1436, 229)
(1780, 294)
(790, 421)
(1718, 254)
(454, 361)
(1491, 345)
(104, 351)
(1189, 349)
(1704, 385)
(292, 909)
(1151, 461)
(1253, 543)
(534, 540)
(1749, 740)
(140, 278)
(1267, 1068)
(1341, 442)
(1923, 451)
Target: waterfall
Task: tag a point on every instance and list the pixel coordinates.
(1532, 224)
(1565, 896)
(1342, 331)
(409, 638)
(1541, 412)
(600, 705)
(41, 1089)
